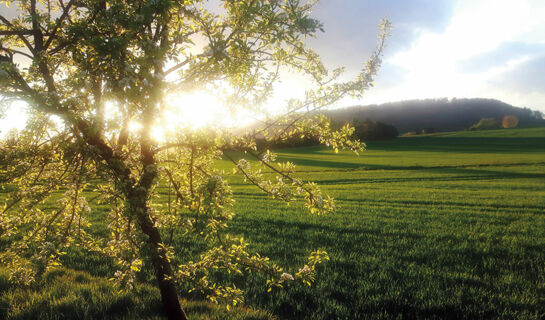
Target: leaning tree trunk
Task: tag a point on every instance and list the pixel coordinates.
(136, 195)
(159, 259)
(163, 271)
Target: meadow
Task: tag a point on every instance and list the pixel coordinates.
(447, 225)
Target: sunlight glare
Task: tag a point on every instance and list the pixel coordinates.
(15, 117)
(197, 110)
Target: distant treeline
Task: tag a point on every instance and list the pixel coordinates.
(389, 120)
(370, 130)
(436, 115)
(367, 130)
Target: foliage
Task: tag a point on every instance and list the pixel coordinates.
(486, 124)
(369, 130)
(81, 58)
(510, 122)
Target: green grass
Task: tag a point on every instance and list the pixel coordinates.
(448, 225)
(69, 294)
(442, 226)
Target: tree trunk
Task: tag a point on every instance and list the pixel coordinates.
(136, 198)
(163, 272)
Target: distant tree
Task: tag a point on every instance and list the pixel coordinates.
(510, 122)
(428, 130)
(369, 130)
(84, 56)
(288, 142)
(486, 124)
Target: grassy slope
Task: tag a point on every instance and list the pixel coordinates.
(445, 225)
(448, 225)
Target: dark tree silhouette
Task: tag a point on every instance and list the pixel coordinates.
(439, 114)
(369, 130)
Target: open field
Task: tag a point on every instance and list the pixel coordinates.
(439, 226)
(447, 225)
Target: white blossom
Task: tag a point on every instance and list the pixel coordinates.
(286, 276)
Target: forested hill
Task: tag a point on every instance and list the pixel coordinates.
(437, 114)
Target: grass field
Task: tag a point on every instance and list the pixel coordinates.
(439, 226)
(446, 225)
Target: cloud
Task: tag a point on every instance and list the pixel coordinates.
(505, 52)
(526, 78)
(351, 26)
(483, 41)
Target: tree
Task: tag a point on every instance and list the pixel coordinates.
(369, 130)
(71, 60)
(486, 124)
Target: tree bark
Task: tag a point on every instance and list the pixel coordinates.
(163, 271)
(136, 198)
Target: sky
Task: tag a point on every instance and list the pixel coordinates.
(437, 48)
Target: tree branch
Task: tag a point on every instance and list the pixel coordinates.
(63, 16)
(16, 32)
(25, 41)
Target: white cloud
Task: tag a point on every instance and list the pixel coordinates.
(432, 64)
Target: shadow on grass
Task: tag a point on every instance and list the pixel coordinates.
(491, 207)
(302, 161)
(452, 174)
(392, 271)
(463, 145)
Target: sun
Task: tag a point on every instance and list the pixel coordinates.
(196, 110)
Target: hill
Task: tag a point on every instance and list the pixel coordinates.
(438, 114)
